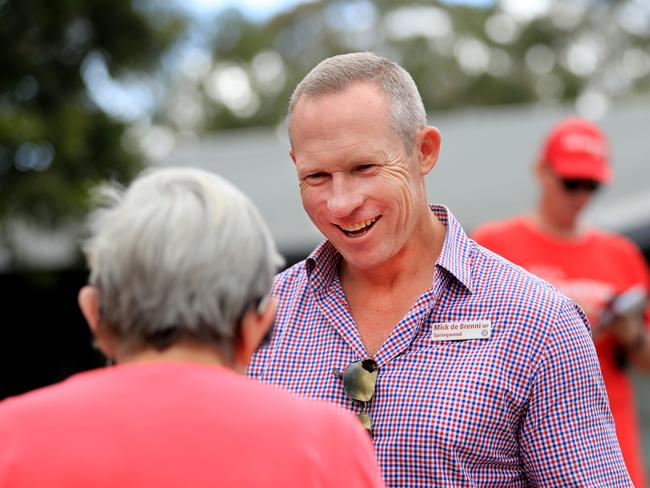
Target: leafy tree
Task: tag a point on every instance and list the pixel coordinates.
(54, 141)
(467, 66)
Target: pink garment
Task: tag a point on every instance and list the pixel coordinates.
(178, 424)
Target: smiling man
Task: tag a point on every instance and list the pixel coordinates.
(466, 370)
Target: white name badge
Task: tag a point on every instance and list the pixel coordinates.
(461, 330)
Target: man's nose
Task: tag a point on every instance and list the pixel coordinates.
(582, 194)
(344, 199)
(582, 197)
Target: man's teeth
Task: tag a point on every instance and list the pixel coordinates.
(359, 226)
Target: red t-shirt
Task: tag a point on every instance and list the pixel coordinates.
(178, 425)
(590, 269)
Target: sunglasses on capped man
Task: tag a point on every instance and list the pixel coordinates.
(359, 380)
(580, 184)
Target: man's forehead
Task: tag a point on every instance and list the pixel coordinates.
(351, 112)
(356, 89)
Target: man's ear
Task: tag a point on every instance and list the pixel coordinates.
(541, 171)
(89, 304)
(254, 326)
(428, 146)
(292, 155)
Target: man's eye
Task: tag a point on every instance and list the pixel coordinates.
(364, 167)
(316, 176)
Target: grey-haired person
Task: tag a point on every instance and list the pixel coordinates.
(181, 264)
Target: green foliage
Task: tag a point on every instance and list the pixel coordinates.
(318, 29)
(54, 143)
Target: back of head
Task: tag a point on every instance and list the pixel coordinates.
(337, 73)
(577, 149)
(180, 254)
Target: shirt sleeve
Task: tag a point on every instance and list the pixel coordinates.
(567, 435)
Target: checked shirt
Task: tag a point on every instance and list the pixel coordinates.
(525, 407)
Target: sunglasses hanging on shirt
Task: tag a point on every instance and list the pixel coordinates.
(359, 380)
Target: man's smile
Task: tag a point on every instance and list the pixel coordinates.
(358, 229)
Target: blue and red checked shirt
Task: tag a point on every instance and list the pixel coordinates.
(526, 407)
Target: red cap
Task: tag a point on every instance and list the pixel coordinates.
(576, 148)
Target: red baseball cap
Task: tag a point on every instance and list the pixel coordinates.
(576, 148)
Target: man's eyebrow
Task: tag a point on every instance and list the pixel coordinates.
(303, 167)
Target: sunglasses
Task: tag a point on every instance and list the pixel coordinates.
(578, 184)
(359, 380)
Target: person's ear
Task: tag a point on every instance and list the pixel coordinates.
(90, 308)
(89, 304)
(428, 146)
(542, 172)
(255, 324)
(292, 155)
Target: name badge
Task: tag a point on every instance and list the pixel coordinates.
(461, 330)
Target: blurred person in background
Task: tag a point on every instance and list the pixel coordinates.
(467, 370)
(181, 264)
(605, 273)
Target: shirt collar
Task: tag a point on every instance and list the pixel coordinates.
(322, 265)
(456, 253)
(455, 256)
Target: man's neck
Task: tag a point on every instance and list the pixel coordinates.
(569, 228)
(379, 298)
(182, 351)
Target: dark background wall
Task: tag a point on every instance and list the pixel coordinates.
(43, 337)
